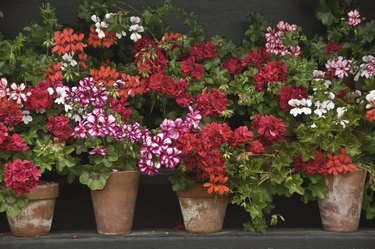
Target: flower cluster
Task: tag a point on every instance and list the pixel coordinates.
(21, 176)
(270, 129)
(339, 163)
(339, 66)
(158, 150)
(370, 114)
(317, 165)
(354, 18)
(272, 73)
(275, 43)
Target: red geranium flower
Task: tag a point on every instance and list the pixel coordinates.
(21, 176)
(203, 51)
(333, 46)
(256, 58)
(318, 165)
(256, 147)
(13, 143)
(233, 65)
(191, 68)
(66, 41)
(40, 98)
(269, 129)
(241, 135)
(217, 185)
(105, 75)
(60, 127)
(273, 73)
(211, 103)
(340, 163)
(291, 92)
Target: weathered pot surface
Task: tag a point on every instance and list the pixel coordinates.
(341, 210)
(202, 212)
(114, 205)
(36, 217)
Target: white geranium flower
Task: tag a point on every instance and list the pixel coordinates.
(340, 112)
(136, 29)
(313, 125)
(26, 117)
(120, 35)
(370, 98)
(135, 19)
(99, 25)
(50, 90)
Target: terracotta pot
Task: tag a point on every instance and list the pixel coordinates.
(114, 204)
(202, 212)
(36, 217)
(341, 210)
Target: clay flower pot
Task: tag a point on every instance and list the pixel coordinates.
(341, 210)
(114, 204)
(202, 212)
(36, 217)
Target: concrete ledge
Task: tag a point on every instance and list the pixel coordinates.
(169, 239)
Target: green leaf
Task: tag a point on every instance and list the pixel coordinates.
(294, 185)
(12, 204)
(94, 180)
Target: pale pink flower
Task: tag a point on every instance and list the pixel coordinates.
(354, 18)
(193, 118)
(3, 87)
(17, 93)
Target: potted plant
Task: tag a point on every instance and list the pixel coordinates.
(32, 142)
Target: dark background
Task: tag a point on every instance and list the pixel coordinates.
(157, 205)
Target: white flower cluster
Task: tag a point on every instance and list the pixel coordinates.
(321, 108)
(135, 28)
(301, 106)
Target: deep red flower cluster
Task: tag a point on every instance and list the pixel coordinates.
(211, 103)
(201, 149)
(39, 98)
(234, 65)
(60, 127)
(149, 58)
(107, 41)
(120, 106)
(270, 129)
(291, 92)
(10, 112)
(318, 165)
(340, 163)
(66, 41)
(203, 51)
(3, 133)
(256, 58)
(190, 68)
(241, 135)
(256, 147)
(273, 72)
(21, 176)
(13, 143)
(333, 46)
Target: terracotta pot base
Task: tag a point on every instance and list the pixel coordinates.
(36, 217)
(341, 210)
(202, 212)
(114, 204)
